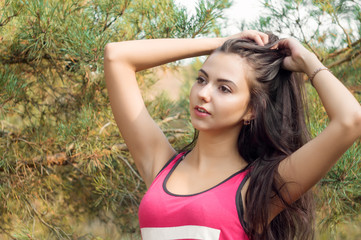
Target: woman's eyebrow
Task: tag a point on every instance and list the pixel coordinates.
(218, 79)
(204, 72)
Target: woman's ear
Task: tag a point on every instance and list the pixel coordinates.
(248, 117)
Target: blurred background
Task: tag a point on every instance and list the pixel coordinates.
(65, 172)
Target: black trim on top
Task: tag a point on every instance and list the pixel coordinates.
(169, 161)
(239, 202)
(194, 194)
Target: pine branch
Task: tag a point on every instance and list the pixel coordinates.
(345, 59)
(7, 233)
(338, 52)
(176, 131)
(60, 158)
(130, 166)
(108, 24)
(168, 119)
(298, 22)
(64, 158)
(7, 20)
(200, 29)
(25, 60)
(171, 139)
(60, 233)
(343, 29)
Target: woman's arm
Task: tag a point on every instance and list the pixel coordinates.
(146, 142)
(305, 167)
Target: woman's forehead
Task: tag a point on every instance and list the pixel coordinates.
(227, 66)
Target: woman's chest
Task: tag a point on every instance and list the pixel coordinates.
(210, 204)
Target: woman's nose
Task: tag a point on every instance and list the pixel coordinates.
(205, 93)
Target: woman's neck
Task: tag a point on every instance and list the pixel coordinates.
(217, 150)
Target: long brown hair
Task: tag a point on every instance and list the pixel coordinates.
(277, 130)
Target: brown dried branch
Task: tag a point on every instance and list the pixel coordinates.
(6, 232)
(105, 126)
(168, 119)
(119, 147)
(171, 139)
(177, 130)
(55, 159)
(64, 158)
(338, 52)
(108, 24)
(7, 20)
(298, 22)
(58, 231)
(345, 59)
(130, 166)
(343, 29)
(18, 60)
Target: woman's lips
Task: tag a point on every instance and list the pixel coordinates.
(201, 112)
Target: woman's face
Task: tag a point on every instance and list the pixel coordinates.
(219, 97)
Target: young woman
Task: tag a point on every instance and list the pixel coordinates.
(248, 171)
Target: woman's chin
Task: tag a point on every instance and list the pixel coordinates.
(200, 126)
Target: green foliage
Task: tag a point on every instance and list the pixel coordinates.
(14, 86)
(339, 192)
(61, 156)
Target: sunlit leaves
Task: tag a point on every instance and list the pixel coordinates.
(57, 132)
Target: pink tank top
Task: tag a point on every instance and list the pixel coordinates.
(213, 214)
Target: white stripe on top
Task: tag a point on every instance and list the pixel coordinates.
(182, 232)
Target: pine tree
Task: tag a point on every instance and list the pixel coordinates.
(62, 160)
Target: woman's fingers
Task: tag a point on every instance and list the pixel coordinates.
(297, 55)
(264, 37)
(259, 37)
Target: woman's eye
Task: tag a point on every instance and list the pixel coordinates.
(201, 80)
(225, 89)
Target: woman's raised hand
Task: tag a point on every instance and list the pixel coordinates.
(299, 59)
(259, 37)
